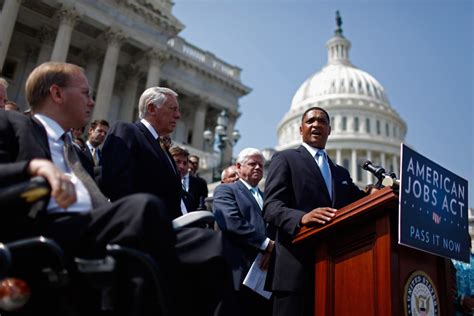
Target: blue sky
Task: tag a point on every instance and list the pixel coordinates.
(421, 51)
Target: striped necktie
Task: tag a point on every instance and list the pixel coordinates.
(72, 160)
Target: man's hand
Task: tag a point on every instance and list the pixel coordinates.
(371, 189)
(62, 189)
(265, 261)
(320, 215)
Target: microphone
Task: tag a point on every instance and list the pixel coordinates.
(385, 179)
(377, 171)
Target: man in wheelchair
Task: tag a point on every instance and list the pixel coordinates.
(76, 215)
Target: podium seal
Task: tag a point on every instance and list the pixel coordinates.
(420, 295)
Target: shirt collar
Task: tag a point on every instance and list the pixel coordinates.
(89, 145)
(248, 186)
(53, 129)
(150, 128)
(312, 151)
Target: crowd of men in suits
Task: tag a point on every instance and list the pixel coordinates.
(127, 182)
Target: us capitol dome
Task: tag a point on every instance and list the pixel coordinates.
(364, 125)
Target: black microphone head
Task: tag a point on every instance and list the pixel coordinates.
(366, 165)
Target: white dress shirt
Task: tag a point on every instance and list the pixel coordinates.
(56, 147)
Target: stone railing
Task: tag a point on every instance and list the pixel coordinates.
(207, 160)
(204, 57)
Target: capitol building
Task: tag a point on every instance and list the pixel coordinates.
(125, 46)
(364, 125)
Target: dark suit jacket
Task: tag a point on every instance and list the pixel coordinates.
(198, 191)
(133, 162)
(23, 138)
(295, 186)
(239, 217)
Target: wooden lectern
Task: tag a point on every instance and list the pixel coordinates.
(360, 267)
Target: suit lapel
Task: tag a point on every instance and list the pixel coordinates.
(163, 156)
(247, 193)
(316, 172)
(40, 136)
(88, 154)
(332, 166)
(151, 139)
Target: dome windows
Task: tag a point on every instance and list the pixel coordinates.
(356, 124)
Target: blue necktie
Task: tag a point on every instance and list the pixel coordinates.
(324, 167)
(257, 197)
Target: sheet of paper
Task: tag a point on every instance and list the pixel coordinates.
(255, 278)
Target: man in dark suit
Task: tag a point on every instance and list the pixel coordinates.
(198, 186)
(77, 215)
(238, 210)
(132, 158)
(303, 188)
(193, 191)
(95, 137)
(133, 161)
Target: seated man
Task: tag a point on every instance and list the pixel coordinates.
(77, 215)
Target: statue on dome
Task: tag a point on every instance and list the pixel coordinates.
(338, 23)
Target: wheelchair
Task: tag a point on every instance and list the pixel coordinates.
(36, 277)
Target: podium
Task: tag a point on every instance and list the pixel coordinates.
(360, 269)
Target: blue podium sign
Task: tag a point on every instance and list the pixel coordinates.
(433, 208)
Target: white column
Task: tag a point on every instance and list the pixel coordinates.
(369, 175)
(29, 63)
(107, 76)
(67, 18)
(129, 102)
(350, 124)
(7, 23)
(354, 164)
(155, 59)
(92, 57)
(199, 122)
(395, 162)
(382, 160)
(339, 157)
(46, 37)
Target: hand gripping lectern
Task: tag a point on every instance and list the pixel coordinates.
(362, 270)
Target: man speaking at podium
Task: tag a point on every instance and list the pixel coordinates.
(303, 188)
